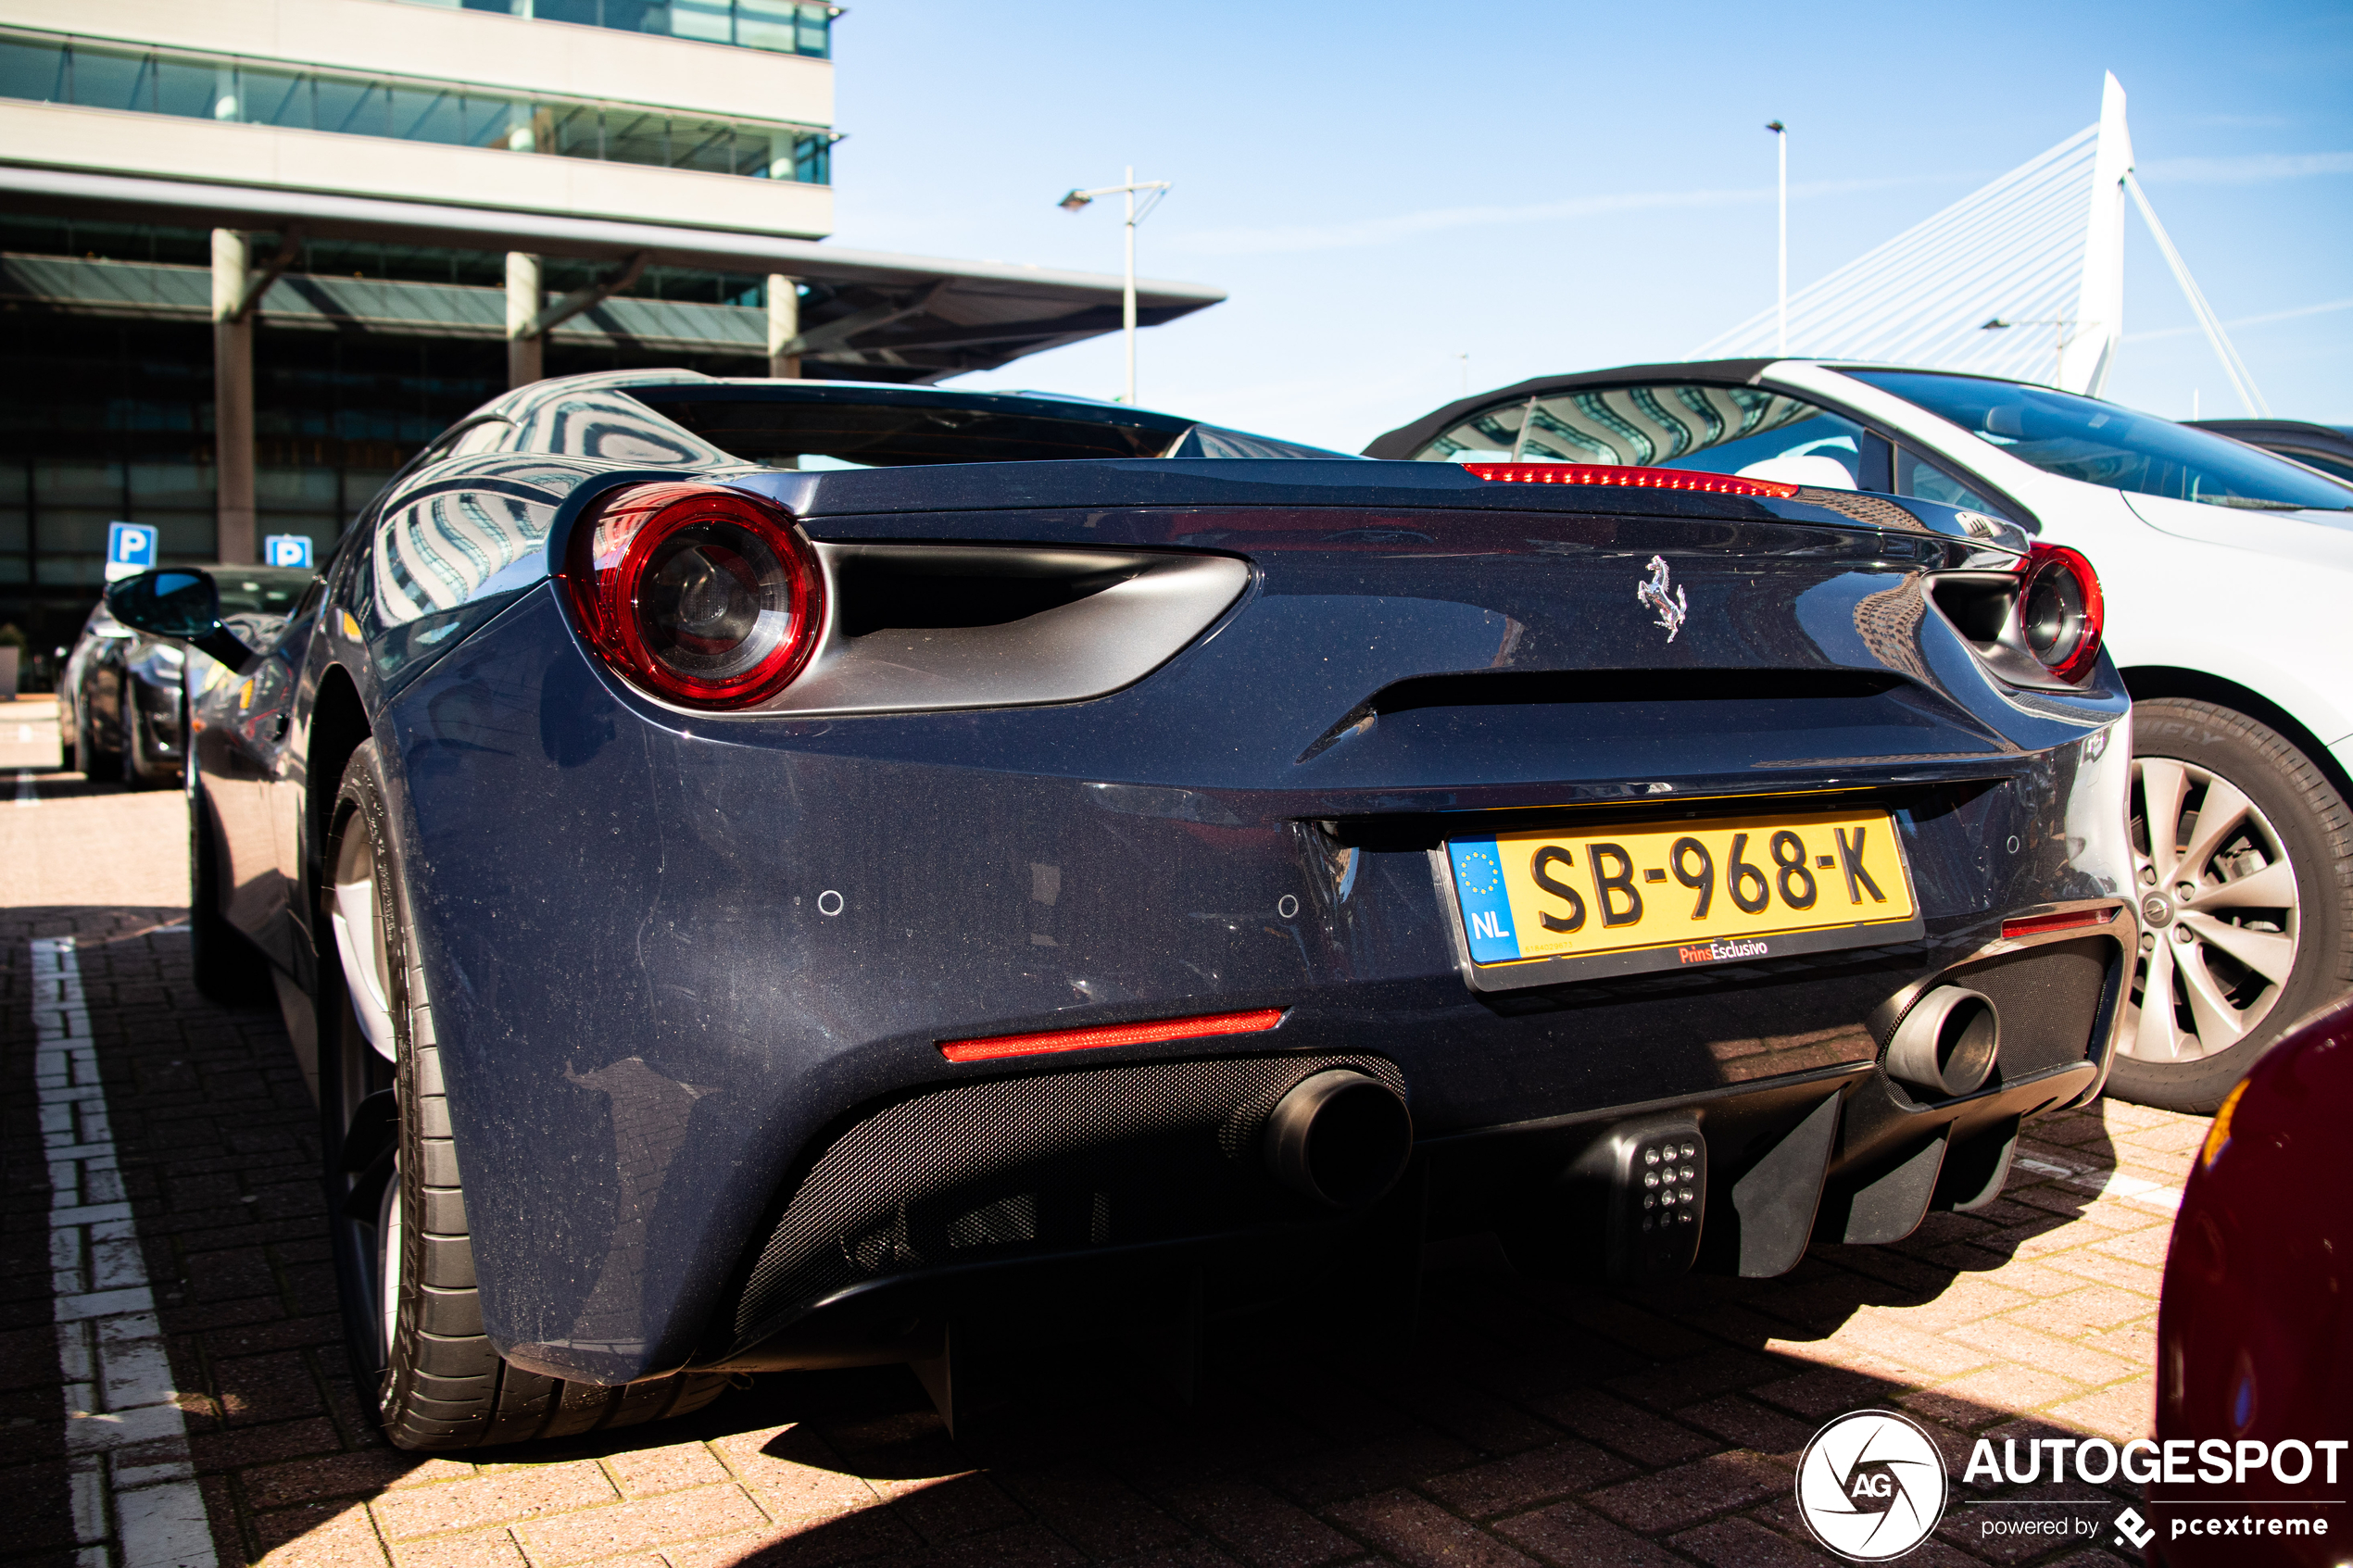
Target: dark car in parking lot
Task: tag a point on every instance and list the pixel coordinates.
(121, 708)
(2326, 447)
(781, 874)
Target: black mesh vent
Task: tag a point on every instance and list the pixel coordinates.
(1090, 1157)
(2049, 1000)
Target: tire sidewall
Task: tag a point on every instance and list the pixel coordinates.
(2298, 799)
(362, 805)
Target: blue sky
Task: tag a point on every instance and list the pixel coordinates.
(1384, 188)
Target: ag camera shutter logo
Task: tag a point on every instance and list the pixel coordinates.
(1871, 1486)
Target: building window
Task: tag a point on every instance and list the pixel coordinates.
(783, 26)
(50, 68)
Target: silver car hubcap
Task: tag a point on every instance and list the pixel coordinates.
(2218, 913)
(359, 939)
(389, 1242)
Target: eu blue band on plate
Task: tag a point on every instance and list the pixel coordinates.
(1486, 904)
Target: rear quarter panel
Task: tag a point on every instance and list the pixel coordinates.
(2249, 599)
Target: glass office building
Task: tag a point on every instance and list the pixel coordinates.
(253, 252)
(362, 348)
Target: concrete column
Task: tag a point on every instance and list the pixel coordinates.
(784, 325)
(232, 400)
(525, 297)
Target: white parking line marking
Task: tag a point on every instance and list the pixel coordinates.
(25, 796)
(2106, 1181)
(126, 1442)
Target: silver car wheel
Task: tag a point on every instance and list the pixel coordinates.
(2218, 913)
(359, 939)
(390, 1240)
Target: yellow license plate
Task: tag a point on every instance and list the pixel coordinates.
(1670, 895)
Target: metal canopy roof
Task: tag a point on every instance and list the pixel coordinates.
(868, 315)
(1408, 439)
(160, 291)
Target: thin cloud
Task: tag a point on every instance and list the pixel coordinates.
(2250, 170)
(2242, 122)
(1294, 238)
(2245, 320)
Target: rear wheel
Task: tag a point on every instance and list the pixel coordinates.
(99, 765)
(404, 1253)
(141, 768)
(2240, 850)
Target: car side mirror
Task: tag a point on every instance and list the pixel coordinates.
(181, 604)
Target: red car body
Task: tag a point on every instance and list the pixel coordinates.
(2255, 1328)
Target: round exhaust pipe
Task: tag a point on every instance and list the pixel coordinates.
(1946, 1043)
(1340, 1137)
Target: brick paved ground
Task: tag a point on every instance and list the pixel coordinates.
(1527, 1424)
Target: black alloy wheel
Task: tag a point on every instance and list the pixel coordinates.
(98, 765)
(2243, 850)
(141, 768)
(403, 1251)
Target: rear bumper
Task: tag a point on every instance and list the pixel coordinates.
(975, 1193)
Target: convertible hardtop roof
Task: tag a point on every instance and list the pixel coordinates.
(1388, 493)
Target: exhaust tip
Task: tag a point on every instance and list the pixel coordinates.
(1946, 1044)
(1340, 1137)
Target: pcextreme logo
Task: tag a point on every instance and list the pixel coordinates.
(1871, 1486)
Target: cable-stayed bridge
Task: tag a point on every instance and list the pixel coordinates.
(2021, 278)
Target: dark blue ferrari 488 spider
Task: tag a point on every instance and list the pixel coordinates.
(777, 875)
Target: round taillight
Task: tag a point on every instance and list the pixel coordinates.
(703, 596)
(2059, 613)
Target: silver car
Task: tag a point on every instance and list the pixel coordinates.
(121, 704)
(2225, 570)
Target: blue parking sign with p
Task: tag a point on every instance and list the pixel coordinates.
(287, 549)
(131, 545)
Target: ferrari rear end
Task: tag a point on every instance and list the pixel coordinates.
(881, 915)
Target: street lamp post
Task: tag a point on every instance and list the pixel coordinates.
(1077, 200)
(2059, 338)
(1780, 136)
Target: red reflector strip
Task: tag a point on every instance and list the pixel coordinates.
(1628, 477)
(1115, 1034)
(2034, 925)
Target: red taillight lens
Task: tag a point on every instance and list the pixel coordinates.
(704, 595)
(2059, 612)
(1630, 478)
(2037, 925)
(1198, 1027)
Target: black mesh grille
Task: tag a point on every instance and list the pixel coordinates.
(1089, 1156)
(2049, 1000)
